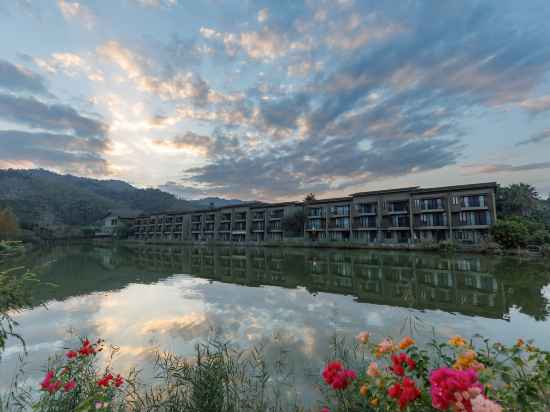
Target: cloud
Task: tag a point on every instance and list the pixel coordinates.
(504, 168)
(157, 3)
(19, 79)
(33, 113)
(70, 64)
(81, 155)
(179, 86)
(188, 142)
(74, 10)
(536, 105)
(263, 15)
(536, 138)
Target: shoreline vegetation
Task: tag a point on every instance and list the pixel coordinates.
(370, 373)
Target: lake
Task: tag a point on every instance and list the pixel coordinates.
(290, 302)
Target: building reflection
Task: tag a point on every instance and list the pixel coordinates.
(461, 284)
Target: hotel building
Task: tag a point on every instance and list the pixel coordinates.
(407, 215)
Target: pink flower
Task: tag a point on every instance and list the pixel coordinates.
(481, 404)
(48, 384)
(373, 370)
(363, 337)
(69, 386)
(385, 346)
(454, 388)
(71, 354)
(325, 409)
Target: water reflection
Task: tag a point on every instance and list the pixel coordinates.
(169, 298)
(468, 284)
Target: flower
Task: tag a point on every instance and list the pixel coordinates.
(374, 401)
(119, 380)
(48, 384)
(398, 362)
(406, 342)
(364, 390)
(71, 354)
(105, 380)
(454, 388)
(481, 404)
(468, 360)
(373, 370)
(325, 409)
(363, 337)
(336, 376)
(457, 341)
(385, 346)
(520, 343)
(404, 392)
(69, 386)
(87, 348)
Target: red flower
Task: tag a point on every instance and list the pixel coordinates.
(71, 354)
(69, 386)
(404, 392)
(336, 376)
(45, 384)
(119, 380)
(87, 348)
(399, 362)
(105, 380)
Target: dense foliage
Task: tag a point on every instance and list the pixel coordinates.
(39, 196)
(524, 217)
(293, 224)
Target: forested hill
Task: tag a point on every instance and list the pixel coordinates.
(40, 196)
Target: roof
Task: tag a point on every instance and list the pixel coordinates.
(386, 191)
(280, 204)
(123, 213)
(330, 200)
(488, 185)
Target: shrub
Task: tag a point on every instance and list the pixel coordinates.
(510, 233)
(454, 376)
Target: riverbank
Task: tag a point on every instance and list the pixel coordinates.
(442, 247)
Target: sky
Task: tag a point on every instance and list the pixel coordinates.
(273, 99)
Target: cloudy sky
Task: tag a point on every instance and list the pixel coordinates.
(271, 99)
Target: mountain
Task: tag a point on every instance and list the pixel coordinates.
(216, 202)
(40, 196)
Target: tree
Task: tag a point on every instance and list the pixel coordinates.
(517, 200)
(8, 225)
(309, 198)
(510, 233)
(294, 224)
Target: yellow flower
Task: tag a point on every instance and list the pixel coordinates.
(457, 341)
(374, 401)
(406, 342)
(364, 390)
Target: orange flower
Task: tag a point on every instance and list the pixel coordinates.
(364, 390)
(457, 341)
(520, 343)
(406, 342)
(374, 401)
(468, 360)
(363, 337)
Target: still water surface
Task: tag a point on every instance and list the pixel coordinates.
(289, 301)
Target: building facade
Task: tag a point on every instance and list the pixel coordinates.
(408, 215)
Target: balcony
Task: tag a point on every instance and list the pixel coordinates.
(210, 218)
(365, 210)
(310, 226)
(394, 208)
(226, 217)
(240, 217)
(258, 216)
(275, 227)
(277, 214)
